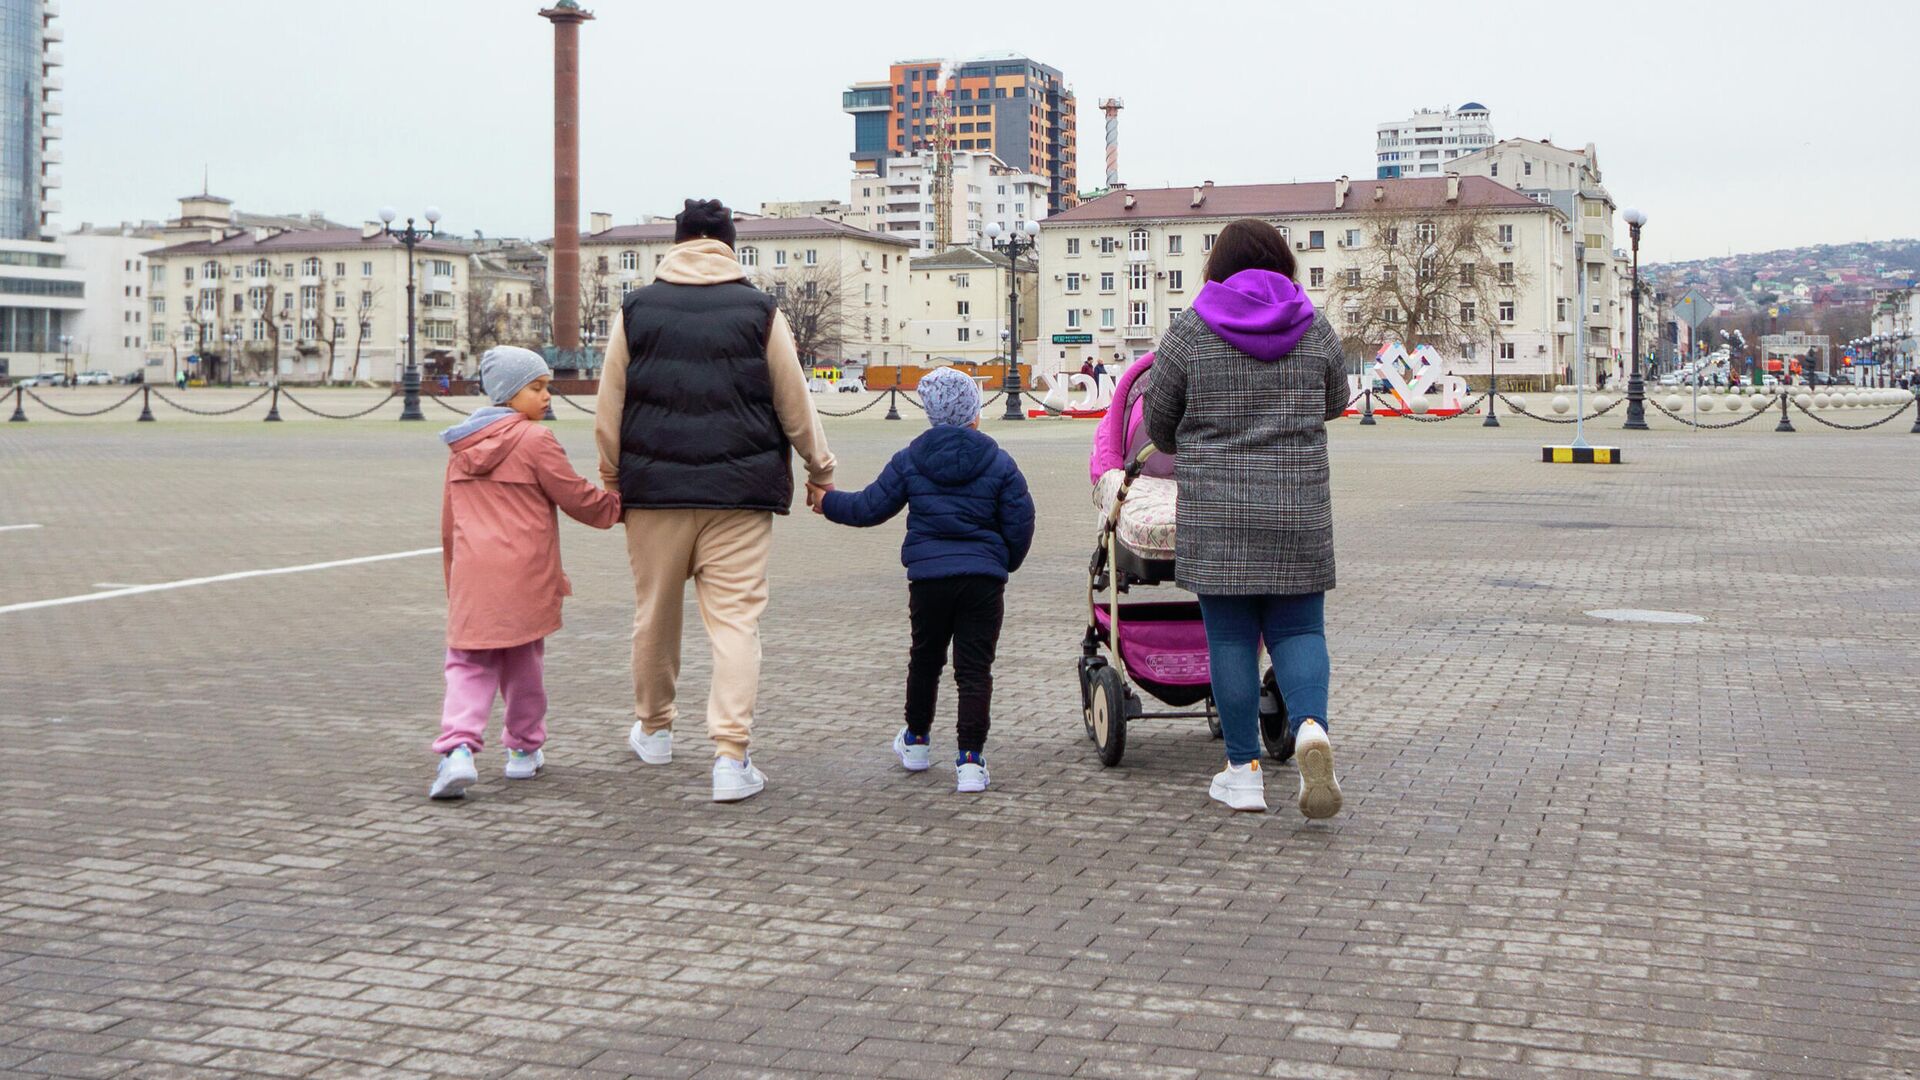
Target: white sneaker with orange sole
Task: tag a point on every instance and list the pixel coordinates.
(1241, 787)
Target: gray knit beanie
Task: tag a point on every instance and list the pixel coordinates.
(507, 369)
(952, 398)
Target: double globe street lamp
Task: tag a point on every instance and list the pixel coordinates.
(409, 236)
(1019, 240)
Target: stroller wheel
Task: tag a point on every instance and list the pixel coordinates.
(1273, 719)
(1213, 719)
(1108, 715)
(1089, 666)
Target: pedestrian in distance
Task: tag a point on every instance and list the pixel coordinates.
(969, 527)
(500, 551)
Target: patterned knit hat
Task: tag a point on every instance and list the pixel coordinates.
(951, 397)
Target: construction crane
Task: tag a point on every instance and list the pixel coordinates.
(943, 159)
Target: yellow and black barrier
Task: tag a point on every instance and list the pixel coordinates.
(1580, 455)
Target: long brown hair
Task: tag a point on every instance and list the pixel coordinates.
(1249, 244)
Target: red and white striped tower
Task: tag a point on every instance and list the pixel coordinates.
(1112, 106)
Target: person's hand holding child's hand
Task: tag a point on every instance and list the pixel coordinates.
(817, 496)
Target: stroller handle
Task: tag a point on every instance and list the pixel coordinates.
(1140, 461)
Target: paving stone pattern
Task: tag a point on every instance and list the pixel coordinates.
(1570, 847)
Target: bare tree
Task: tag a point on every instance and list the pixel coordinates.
(1427, 277)
(488, 321)
(811, 299)
(596, 295)
(363, 328)
(540, 316)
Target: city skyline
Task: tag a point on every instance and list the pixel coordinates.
(408, 106)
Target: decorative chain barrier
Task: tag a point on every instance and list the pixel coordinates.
(1612, 405)
(877, 399)
(304, 407)
(1464, 410)
(991, 400)
(575, 404)
(80, 412)
(908, 395)
(254, 400)
(1857, 427)
(435, 398)
(1747, 419)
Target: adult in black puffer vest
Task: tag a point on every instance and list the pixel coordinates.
(702, 402)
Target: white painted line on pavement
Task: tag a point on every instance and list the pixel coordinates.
(113, 585)
(135, 590)
(10, 528)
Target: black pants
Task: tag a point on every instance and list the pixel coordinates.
(964, 612)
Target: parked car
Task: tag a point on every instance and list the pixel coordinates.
(133, 378)
(93, 378)
(45, 378)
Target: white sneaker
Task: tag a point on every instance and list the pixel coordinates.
(654, 749)
(1313, 755)
(456, 775)
(736, 780)
(913, 756)
(1241, 787)
(970, 776)
(524, 764)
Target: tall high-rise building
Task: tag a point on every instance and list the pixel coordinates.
(1423, 144)
(39, 292)
(1013, 107)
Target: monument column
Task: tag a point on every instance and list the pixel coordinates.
(564, 290)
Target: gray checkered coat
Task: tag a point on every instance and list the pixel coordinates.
(1255, 511)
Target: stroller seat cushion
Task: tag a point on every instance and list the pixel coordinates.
(1147, 520)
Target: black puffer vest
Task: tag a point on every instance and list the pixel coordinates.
(699, 429)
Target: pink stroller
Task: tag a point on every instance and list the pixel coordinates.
(1158, 646)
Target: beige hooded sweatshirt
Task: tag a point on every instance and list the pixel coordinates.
(710, 262)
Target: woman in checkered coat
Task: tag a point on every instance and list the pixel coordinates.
(1243, 386)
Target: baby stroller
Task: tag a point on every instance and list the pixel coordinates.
(1158, 646)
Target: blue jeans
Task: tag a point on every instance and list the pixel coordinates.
(1294, 629)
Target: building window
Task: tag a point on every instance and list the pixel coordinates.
(1466, 313)
(1173, 313)
(1466, 274)
(1389, 314)
(339, 301)
(1138, 242)
(1503, 233)
(1073, 245)
(1561, 309)
(1428, 268)
(812, 257)
(1506, 350)
(1138, 313)
(629, 260)
(159, 305)
(1506, 273)
(1108, 245)
(1206, 242)
(1106, 281)
(1353, 277)
(1316, 239)
(1494, 170)
(310, 267)
(1175, 281)
(749, 256)
(1073, 283)
(262, 268)
(963, 308)
(1506, 311)
(339, 269)
(1316, 277)
(779, 259)
(961, 281)
(1106, 318)
(964, 333)
(1425, 232)
(1353, 237)
(1173, 243)
(366, 269)
(1073, 318)
(1137, 278)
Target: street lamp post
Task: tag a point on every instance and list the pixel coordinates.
(232, 338)
(66, 357)
(1020, 240)
(409, 236)
(1636, 382)
(1493, 381)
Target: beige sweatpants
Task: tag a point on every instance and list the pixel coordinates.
(724, 553)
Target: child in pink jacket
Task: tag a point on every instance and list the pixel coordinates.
(500, 543)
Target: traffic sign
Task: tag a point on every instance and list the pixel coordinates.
(1692, 309)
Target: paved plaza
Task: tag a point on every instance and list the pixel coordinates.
(1570, 846)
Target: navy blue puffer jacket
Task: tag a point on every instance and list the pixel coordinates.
(968, 510)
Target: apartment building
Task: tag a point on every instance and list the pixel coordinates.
(956, 308)
(1426, 143)
(898, 200)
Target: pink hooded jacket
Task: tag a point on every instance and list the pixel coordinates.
(500, 537)
(1117, 431)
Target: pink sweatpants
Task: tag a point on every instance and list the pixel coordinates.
(474, 676)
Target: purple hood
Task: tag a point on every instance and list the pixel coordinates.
(1259, 312)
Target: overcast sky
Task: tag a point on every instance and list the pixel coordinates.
(1733, 125)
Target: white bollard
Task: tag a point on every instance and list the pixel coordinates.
(1561, 404)
(1675, 403)
(1805, 401)
(1706, 404)
(1515, 401)
(1821, 401)
(1418, 404)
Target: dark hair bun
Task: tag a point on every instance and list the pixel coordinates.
(704, 218)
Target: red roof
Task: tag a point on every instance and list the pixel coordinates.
(1276, 200)
(748, 229)
(302, 240)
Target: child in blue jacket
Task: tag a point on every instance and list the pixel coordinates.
(969, 525)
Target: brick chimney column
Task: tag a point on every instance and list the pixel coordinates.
(564, 289)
